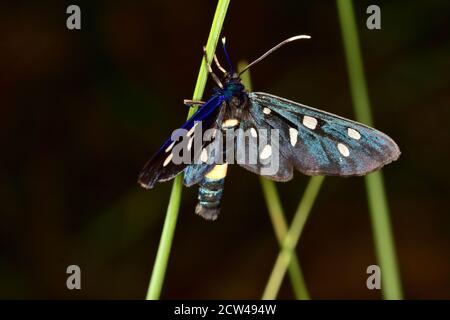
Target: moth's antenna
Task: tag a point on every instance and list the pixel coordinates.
(278, 46)
(210, 70)
(218, 65)
(226, 54)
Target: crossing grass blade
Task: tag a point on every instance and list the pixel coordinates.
(292, 237)
(277, 216)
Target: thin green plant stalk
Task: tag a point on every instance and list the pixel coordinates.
(278, 219)
(277, 216)
(291, 239)
(165, 243)
(378, 206)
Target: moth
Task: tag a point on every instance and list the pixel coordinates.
(271, 130)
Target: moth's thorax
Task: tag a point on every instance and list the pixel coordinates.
(233, 92)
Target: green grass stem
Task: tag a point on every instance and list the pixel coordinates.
(165, 243)
(278, 219)
(378, 206)
(291, 239)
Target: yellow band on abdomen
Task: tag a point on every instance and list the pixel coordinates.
(218, 172)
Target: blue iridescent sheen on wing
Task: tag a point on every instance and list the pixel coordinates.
(194, 173)
(324, 144)
(156, 169)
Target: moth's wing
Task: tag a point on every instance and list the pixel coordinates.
(212, 153)
(316, 142)
(193, 174)
(258, 147)
(161, 166)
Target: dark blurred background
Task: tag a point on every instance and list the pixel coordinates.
(82, 111)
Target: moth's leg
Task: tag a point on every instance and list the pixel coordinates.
(190, 103)
(211, 72)
(218, 65)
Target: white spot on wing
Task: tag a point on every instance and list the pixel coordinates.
(170, 146)
(310, 122)
(168, 159)
(253, 133)
(352, 133)
(266, 111)
(266, 152)
(293, 135)
(190, 132)
(343, 149)
(214, 133)
(204, 156)
(189, 146)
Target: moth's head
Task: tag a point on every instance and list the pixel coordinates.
(231, 77)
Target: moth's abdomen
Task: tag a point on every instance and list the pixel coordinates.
(210, 192)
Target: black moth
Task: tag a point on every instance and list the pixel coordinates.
(265, 134)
